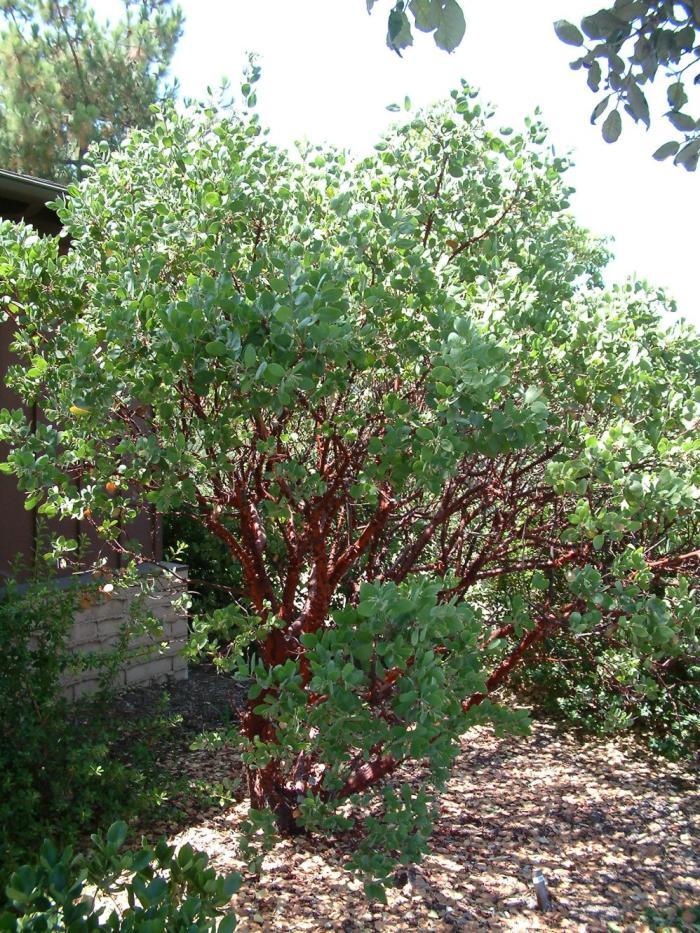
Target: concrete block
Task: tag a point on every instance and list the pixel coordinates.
(109, 630)
(83, 632)
(178, 629)
(176, 646)
(99, 626)
(168, 618)
(114, 607)
(147, 640)
(143, 673)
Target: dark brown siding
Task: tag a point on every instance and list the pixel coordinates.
(18, 525)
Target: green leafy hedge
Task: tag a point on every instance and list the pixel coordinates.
(605, 688)
(63, 771)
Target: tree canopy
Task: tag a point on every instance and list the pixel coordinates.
(398, 393)
(625, 46)
(67, 81)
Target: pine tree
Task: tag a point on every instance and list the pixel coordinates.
(68, 80)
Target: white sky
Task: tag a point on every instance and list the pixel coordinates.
(328, 76)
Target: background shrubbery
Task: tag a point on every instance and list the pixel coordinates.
(601, 684)
(215, 577)
(603, 687)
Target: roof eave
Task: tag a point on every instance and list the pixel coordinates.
(28, 189)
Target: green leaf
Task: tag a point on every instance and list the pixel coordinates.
(117, 832)
(594, 76)
(399, 32)
(612, 127)
(231, 884)
(600, 108)
(452, 26)
(568, 33)
(629, 11)
(274, 373)
(677, 97)
(681, 121)
(426, 14)
(442, 374)
(38, 367)
(668, 149)
(638, 103)
(375, 892)
(250, 357)
(688, 155)
(215, 348)
(601, 25)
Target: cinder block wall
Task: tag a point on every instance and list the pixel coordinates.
(100, 624)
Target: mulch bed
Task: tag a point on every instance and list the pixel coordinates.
(614, 832)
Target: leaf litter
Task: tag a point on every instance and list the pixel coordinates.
(614, 831)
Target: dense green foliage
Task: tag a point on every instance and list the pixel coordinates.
(383, 386)
(214, 575)
(66, 80)
(627, 44)
(163, 890)
(607, 688)
(64, 770)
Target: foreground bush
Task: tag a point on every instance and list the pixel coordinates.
(34, 626)
(161, 890)
(381, 386)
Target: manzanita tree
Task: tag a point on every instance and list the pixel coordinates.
(392, 388)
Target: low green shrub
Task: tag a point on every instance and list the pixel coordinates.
(686, 919)
(64, 770)
(603, 687)
(162, 890)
